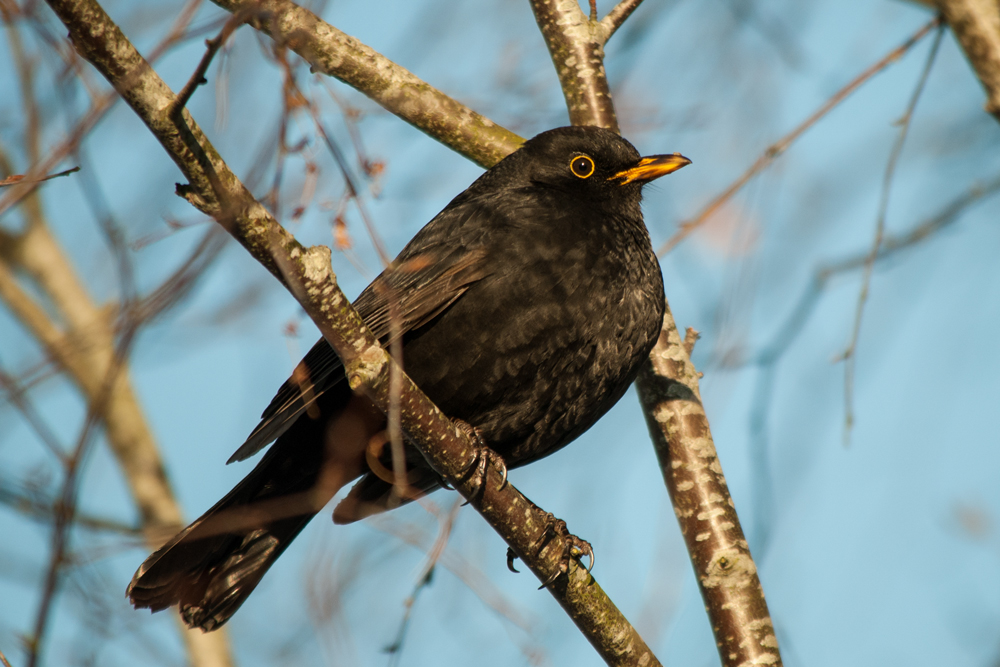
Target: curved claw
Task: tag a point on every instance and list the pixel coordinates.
(572, 547)
(483, 457)
(510, 561)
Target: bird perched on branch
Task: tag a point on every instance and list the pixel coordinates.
(523, 310)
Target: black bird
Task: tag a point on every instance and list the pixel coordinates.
(524, 309)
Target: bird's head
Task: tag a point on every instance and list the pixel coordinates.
(590, 161)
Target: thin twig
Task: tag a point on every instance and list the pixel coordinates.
(66, 506)
(21, 178)
(212, 47)
(849, 355)
(770, 354)
(779, 147)
(423, 580)
(331, 52)
(616, 17)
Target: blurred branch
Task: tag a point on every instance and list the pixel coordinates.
(83, 346)
(781, 342)
(849, 356)
(399, 91)
(306, 272)
(779, 147)
(576, 45)
(727, 576)
(976, 26)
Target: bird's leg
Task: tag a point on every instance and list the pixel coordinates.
(573, 547)
(483, 456)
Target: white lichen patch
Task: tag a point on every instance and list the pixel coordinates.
(316, 265)
(729, 567)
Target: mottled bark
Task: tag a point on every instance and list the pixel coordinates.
(307, 274)
(576, 45)
(727, 576)
(976, 25)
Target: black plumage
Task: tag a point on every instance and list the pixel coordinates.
(525, 309)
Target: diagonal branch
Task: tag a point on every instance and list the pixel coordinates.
(398, 90)
(976, 25)
(727, 575)
(306, 272)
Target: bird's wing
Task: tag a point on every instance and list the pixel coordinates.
(412, 291)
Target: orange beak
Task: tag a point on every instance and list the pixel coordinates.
(650, 168)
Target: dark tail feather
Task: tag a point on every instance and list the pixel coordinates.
(210, 568)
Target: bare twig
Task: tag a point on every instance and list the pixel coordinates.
(616, 17)
(849, 355)
(212, 47)
(779, 147)
(976, 25)
(66, 506)
(21, 178)
(770, 355)
(331, 52)
(423, 581)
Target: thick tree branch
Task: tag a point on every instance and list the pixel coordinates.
(399, 91)
(576, 45)
(307, 274)
(976, 25)
(727, 576)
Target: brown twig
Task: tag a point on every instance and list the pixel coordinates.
(331, 52)
(782, 145)
(849, 356)
(22, 178)
(576, 45)
(423, 580)
(727, 576)
(616, 17)
(212, 47)
(771, 353)
(66, 505)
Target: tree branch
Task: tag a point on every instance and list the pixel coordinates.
(616, 17)
(396, 89)
(976, 26)
(576, 45)
(306, 272)
(727, 576)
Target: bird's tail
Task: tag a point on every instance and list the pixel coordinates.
(210, 567)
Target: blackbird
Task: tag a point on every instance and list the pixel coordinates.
(524, 310)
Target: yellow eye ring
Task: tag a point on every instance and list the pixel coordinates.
(581, 166)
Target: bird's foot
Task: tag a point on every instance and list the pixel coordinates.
(483, 456)
(573, 547)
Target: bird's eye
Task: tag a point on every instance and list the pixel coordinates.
(581, 166)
